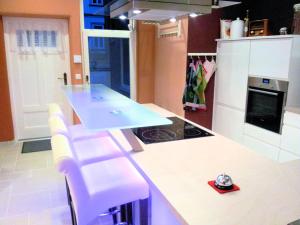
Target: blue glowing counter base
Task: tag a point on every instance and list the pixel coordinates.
(100, 108)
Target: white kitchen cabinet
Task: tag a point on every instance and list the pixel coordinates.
(290, 139)
(229, 122)
(270, 58)
(262, 134)
(274, 57)
(262, 148)
(285, 156)
(232, 73)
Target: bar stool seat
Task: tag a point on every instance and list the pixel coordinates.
(75, 132)
(95, 149)
(79, 132)
(113, 183)
(96, 187)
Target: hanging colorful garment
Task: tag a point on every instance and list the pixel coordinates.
(190, 99)
(197, 78)
(210, 68)
(199, 89)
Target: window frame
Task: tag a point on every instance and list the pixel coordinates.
(98, 3)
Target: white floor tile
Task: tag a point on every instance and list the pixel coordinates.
(5, 191)
(25, 203)
(55, 216)
(15, 220)
(40, 180)
(25, 165)
(9, 175)
(34, 156)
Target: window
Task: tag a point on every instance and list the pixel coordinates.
(97, 26)
(98, 42)
(96, 2)
(36, 38)
(20, 42)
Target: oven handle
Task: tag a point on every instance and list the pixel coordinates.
(263, 92)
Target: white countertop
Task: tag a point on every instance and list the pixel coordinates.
(101, 108)
(261, 37)
(180, 170)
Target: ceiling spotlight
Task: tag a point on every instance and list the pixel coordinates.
(137, 11)
(122, 17)
(193, 15)
(173, 20)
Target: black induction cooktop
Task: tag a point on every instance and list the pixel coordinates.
(179, 130)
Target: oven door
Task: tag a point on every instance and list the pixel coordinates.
(264, 108)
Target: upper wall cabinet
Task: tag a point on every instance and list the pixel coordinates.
(232, 73)
(270, 58)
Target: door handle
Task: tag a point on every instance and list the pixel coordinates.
(263, 92)
(64, 78)
(87, 78)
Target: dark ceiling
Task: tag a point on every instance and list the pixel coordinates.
(279, 12)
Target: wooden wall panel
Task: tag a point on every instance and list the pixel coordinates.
(6, 124)
(170, 70)
(145, 62)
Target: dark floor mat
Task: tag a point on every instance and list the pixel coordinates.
(36, 146)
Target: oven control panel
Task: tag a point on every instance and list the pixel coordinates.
(269, 84)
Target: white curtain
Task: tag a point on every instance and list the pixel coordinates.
(31, 37)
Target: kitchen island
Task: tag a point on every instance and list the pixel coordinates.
(178, 172)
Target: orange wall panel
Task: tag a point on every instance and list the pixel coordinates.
(170, 70)
(6, 125)
(145, 62)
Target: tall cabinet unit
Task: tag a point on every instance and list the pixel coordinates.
(230, 94)
(273, 57)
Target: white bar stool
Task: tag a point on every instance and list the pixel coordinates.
(86, 150)
(76, 132)
(96, 187)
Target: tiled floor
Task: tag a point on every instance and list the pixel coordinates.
(32, 192)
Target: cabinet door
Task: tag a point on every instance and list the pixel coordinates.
(270, 58)
(262, 134)
(290, 139)
(285, 156)
(262, 148)
(232, 73)
(229, 122)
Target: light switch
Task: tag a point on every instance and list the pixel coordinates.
(77, 58)
(78, 76)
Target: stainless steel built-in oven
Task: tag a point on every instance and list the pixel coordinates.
(266, 102)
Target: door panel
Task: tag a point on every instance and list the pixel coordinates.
(35, 61)
(261, 147)
(232, 73)
(270, 58)
(229, 122)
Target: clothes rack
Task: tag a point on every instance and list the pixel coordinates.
(202, 54)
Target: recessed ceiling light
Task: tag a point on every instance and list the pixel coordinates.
(173, 20)
(193, 15)
(122, 17)
(137, 11)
